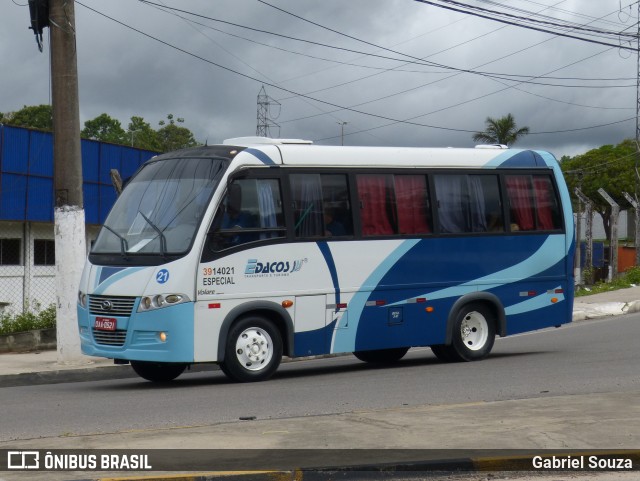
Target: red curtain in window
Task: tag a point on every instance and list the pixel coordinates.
(411, 198)
(544, 201)
(375, 204)
(519, 191)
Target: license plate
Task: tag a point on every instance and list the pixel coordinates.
(105, 324)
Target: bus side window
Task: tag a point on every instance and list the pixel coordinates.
(377, 204)
(414, 212)
(469, 203)
(321, 205)
(337, 210)
(251, 210)
(533, 203)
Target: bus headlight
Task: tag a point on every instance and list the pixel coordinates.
(82, 299)
(158, 301)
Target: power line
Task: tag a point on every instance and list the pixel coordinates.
(414, 60)
(228, 69)
(395, 69)
(529, 18)
(509, 22)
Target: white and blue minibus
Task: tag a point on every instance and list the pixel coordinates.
(242, 253)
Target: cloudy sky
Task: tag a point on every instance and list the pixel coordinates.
(386, 72)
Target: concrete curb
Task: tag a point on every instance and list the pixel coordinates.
(585, 311)
(102, 373)
(106, 373)
(66, 375)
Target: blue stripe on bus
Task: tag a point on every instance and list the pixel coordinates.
(106, 272)
(345, 340)
(261, 156)
(101, 286)
(516, 158)
(549, 254)
(331, 265)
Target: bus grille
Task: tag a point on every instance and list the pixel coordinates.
(111, 305)
(110, 338)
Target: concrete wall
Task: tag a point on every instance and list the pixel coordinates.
(38, 340)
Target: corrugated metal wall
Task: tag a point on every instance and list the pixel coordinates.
(26, 174)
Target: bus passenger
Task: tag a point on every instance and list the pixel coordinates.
(331, 226)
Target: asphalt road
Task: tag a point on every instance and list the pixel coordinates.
(586, 357)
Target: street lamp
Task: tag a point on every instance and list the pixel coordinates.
(342, 124)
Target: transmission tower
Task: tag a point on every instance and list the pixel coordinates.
(265, 119)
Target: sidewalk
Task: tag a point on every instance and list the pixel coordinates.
(621, 301)
(24, 369)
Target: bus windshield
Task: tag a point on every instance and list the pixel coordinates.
(161, 208)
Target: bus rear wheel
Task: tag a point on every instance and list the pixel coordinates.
(474, 333)
(382, 356)
(253, 350)
(157, 371)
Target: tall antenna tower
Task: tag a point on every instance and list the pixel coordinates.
(265, 118)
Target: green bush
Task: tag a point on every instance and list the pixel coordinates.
(28, 320)
(633, 275)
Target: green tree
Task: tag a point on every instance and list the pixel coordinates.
(105, 129)
(142, 136)
(501, 131)
(609, 167)
(173, 137)
(169, 136)
(35, 117)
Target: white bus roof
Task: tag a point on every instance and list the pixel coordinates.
(248, 141)
(297, 152)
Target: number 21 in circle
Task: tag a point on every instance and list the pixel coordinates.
(162, 276)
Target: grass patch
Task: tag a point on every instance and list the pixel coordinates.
(28, 320)
(630, 278)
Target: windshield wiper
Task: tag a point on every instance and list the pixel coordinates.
(124, 246)
(163, 239)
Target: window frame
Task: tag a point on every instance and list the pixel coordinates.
(531, 173)
(46, 245)
(283, 173)
(19, 241)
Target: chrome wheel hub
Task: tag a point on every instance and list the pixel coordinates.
(254, 348)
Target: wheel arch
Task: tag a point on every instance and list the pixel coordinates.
(490, 300)
(270, 310)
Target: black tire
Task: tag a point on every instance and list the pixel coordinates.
(444, 353)
(474, 332)
(253, 350)
(157, 371)
(382, 356)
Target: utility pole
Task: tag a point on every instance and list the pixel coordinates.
(637, 175)
(70, 241)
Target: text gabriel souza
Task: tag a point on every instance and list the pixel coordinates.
(581, 462)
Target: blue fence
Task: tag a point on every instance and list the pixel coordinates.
(26, 174)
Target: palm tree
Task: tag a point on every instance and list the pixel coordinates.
(500, 131)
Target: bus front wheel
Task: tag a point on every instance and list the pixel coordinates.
(253, 350)
(157, 371)
(382, 356)
(473, 335)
